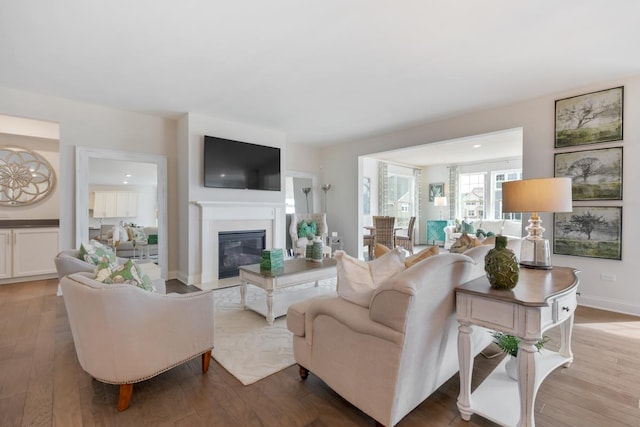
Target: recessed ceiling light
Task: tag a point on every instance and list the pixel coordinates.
(477, 145)
(128, 175)
(125, 182)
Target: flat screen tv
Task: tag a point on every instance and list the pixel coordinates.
(236, 164)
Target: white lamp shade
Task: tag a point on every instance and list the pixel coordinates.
(537, 195)
(440, 201)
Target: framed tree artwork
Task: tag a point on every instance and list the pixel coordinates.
(589, 231)
(595, 174)
(436, 190)
(589, 118)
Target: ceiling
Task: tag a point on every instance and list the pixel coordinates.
(320, 71)
(475, 149)
(116, 172)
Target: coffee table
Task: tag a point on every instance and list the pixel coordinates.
(295, 272)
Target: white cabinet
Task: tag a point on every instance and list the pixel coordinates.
(28, 251)
(114, 204)
(6, 248)
(126, 204)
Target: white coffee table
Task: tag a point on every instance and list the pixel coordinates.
(295, 272)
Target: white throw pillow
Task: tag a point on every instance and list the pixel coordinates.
(358, 279)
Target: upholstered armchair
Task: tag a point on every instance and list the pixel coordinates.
(299, 243)
(387, 358)
(68, 262)
(124, 334)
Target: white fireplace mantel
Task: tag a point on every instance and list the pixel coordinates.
(234, 216)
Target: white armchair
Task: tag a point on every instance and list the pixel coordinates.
(68, 262)
(299, 243)
(124, 334)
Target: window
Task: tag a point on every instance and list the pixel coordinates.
(400, 193)
(471, 195)
(496, 184)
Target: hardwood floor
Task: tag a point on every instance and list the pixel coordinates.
(42, 384)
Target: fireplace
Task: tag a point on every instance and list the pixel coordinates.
(236, 248)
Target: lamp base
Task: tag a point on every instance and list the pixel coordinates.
(535, 265)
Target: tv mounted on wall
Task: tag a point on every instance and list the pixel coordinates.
(236, 164)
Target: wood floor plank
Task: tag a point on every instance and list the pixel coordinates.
(42, 383)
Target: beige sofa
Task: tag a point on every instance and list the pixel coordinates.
(126, 249)
(498, 226)
(388, 358)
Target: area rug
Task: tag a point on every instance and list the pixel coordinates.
(244, 344)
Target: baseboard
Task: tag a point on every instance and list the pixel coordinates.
(609, 305)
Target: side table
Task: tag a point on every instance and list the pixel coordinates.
(541, 299)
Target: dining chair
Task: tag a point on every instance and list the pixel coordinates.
(367, 240)
(384, 232)
(406, 242)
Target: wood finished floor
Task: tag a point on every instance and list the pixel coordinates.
(42, 384)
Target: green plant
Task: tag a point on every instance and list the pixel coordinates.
(509, 343)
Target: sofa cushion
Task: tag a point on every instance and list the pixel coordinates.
(380, 249)
(358, 279)
(463, 243)
(129, 273)
(423, 254)
(96, 253)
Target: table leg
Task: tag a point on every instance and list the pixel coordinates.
(466, 370)
(270, 317)
(526, 383)
(566, 330)
(243, 295)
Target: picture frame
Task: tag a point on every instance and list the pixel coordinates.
(595, 174)
(590, 118)
(589, 231)
(436, 190)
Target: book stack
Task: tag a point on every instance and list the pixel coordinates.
(272, 259)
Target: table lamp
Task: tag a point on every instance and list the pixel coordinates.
(440, 201)
(536, 195)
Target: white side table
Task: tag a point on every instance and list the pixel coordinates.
(542, 299)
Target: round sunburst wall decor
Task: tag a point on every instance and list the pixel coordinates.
(25, 177)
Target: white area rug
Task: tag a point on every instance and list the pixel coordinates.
(243, 342)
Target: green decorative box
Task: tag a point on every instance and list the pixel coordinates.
(272, 259)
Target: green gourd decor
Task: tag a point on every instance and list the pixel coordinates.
(501, 265)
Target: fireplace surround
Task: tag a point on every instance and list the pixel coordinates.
(233, 216)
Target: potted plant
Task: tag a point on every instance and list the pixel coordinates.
(509, 344)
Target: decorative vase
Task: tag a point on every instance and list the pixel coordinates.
(512, 367)
(308, 254)
(501, 265)
(318, 250)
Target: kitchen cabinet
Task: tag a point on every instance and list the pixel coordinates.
(28, 252)
(115, 204)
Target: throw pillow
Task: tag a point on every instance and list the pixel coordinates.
(423, 254)
(96, 253)
(138, 235)
(463, 243)
(307, 228)
(411, 260)
(129, 273)
(467, 227)
(358, 279)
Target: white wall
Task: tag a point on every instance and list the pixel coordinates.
(193, 127)
(89, 125)
(536, 117)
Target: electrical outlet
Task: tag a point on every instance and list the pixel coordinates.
(608, 277)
